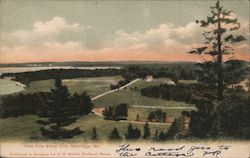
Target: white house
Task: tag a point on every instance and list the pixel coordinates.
(149, 78)
(170, 82)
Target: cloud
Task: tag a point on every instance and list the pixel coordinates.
(187, 31)
(56, 25)
(164, 42)
(43, 31)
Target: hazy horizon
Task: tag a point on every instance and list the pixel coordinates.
(96, 31)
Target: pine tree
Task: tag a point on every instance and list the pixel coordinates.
(156, 135)
(115, 134)
(94, 134)
(59, 114)
(173, 130)
(218, 43)
(132, 133)
(129, 133)
(137, 117)
(161, 136)
(146, 131)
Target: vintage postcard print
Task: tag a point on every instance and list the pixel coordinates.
(107, 78)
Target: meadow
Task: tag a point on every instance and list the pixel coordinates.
(21, 128)
(93, 86)
(131, 95)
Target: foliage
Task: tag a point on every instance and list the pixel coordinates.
(158, 116)
(119, 84)
(115, 134)
(235, 71)
(173, 130)
(146, 131)
(27, 77)
(37, 103)
(116, 113)
(58, 114)
(201, 120)
(23, 104)
(80, 104)
(232, 117)
(179, 92)
(173, 71)
(218, 43)
(94, 134)
(132, 133)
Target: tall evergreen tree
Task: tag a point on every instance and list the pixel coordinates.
(115, 134)
(146, 131)
(218, 42)
(132, 133)
(59, 114)
(156, 135)
(94, 134)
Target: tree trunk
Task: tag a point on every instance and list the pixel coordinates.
(220, 75)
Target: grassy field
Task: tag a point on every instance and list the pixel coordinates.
(187, 81)
(18, 129)
(133, 97)
(93, 86)
(21, 128)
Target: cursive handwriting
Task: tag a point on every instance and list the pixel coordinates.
(167, 152)
(127, 151)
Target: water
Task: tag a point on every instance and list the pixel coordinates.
(8, 86)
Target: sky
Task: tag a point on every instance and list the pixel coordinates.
(108, 30)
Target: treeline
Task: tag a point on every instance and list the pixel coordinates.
(172, 71)
(37, 103)
(27, 77)
(134, 133)
(230, 118)
(119, 112)
(179, 92)
(157, 116)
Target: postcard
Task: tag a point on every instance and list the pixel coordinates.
(125, 78)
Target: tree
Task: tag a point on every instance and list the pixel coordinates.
(137, 117)
(162, 136)
(116, 113)
(151, 116)
(235, 71)
(219, 40)
(232, 117)
(59, 114)
(115, 134)
(201, 121)
(94, 134)
(132, 133)
(173, 130)
(107, 113)
(156, 135)
(146, 131)
(81, 104)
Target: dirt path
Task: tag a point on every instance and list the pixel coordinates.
(114, 90)
(98, 111)
(164, 107)
(143, 122)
